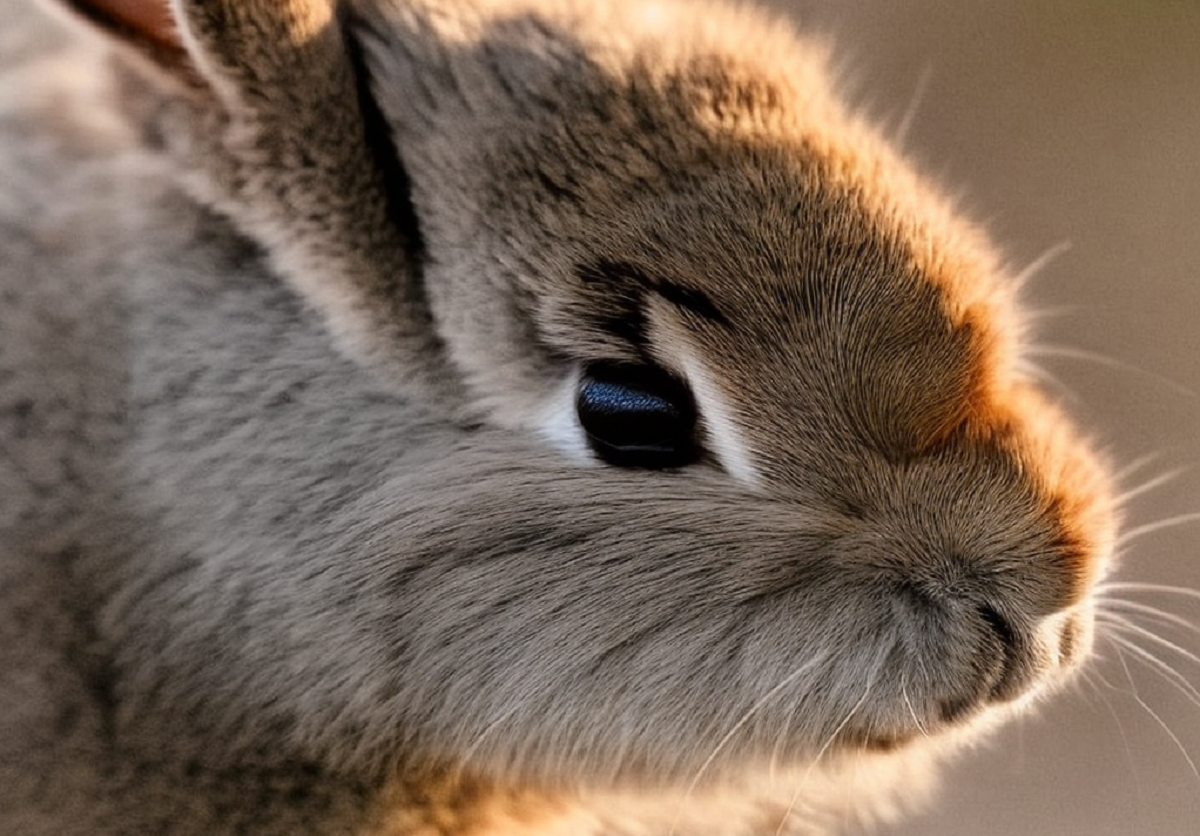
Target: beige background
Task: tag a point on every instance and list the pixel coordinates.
(1075, 122)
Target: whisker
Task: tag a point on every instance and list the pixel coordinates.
(1163, 669)
(787, 813)
(745, 718)
(1128, 624)
(1160, 615)
(1042, 375)
(1048, 312)
(1132, 534)
(1137, 697)
(1135, 465)
(1150, 484)
(1137, 779)
(1129, 627)
(1136, 586)
(914, 104)
(1068, 353)
(475, 746)
(1040, 263)
(912, 712)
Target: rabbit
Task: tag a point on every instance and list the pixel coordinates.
(481, 417)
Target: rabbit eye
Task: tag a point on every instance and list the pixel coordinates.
(636, 415)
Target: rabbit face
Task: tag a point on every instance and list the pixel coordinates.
(753, 478)
(697, 260)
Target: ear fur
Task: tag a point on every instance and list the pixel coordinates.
(273, 128)
(146, 24)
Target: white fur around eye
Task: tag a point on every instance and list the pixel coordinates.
(559, 423)
(724, 438)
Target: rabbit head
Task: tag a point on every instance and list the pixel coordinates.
(735, 433)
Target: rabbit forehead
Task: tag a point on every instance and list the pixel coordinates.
(564, 164)
(811, 313)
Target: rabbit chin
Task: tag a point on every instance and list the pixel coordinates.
(838, 789)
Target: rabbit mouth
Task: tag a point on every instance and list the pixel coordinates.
(1019, 667)
(995, 665)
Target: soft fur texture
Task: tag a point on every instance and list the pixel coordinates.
(298, 532)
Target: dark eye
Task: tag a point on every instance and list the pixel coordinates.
(637, 415)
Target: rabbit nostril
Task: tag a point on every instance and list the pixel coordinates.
(1002, 631)
(1015, 666)
(999, 626)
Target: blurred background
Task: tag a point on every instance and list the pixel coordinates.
(1075, 123)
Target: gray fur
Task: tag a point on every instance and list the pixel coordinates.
(282, 548)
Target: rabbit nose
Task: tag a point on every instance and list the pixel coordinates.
(992, 654)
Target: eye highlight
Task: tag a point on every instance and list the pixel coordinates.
(637, 415)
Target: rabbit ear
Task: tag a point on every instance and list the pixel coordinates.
(145, 28)
(145, 22)
(273, 128)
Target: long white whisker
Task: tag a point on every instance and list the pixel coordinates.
(1128, 624)
(1162, 668)
(787, 814)
(912, 712)
(914, 104)
(1120, 726)
(745, 718)
(1135, 586)
(1055, 312)
(1132, 534)
(1044, 376)
(1149, 485)
(1137, 697)
(825, 747)
(1068, 353)
(1040, 263)
(1149, 611)
(483, 735)
(1135, 465)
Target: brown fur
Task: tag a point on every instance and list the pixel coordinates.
(298, 534)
